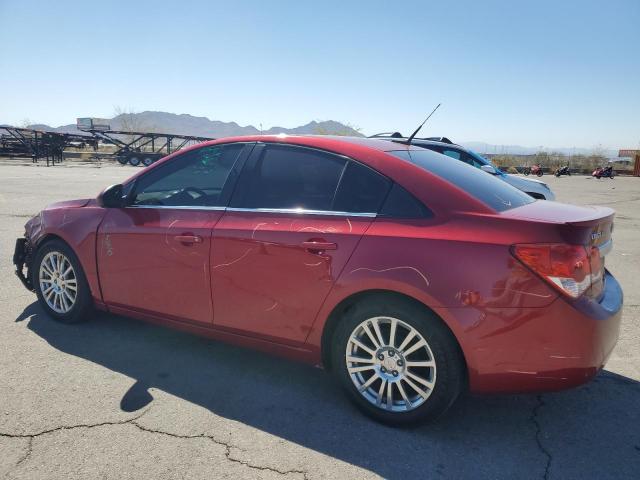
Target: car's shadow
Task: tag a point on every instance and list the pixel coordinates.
(592, 431)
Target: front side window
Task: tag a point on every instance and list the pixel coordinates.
(195, 178)
(294, 178)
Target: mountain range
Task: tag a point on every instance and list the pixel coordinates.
(186, 124)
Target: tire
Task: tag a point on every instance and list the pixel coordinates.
(527, 172)
(146, 161)
(557, 174)
(123, 160)
(61, 304)
(447, 375)
(134, 161)
(540, 173)
(568, 173)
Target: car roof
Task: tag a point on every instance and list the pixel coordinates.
(376, 153)
(321, 141)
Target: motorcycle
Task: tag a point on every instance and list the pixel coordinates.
(534, 170)
(562, 171)
(603, 172)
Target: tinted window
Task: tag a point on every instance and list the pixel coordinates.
(361, 190)
(195, 178)
(401, 204)
(495, 193)
(451, 153)
(293, 177)
(458, 155)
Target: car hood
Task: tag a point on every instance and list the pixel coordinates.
(83, 202)
(517, 180)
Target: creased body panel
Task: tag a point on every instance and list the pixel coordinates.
(78, 228)
(145, 263)
(442, 264)
(266, 282)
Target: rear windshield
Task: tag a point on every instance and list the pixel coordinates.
(492, 191)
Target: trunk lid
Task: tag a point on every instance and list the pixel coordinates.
(589, 226)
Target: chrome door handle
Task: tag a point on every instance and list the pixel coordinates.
(188, 239)
(315, 246)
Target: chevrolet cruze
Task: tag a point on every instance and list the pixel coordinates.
(411, 277)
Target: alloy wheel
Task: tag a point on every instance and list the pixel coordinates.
(391, 364)
(58, 282)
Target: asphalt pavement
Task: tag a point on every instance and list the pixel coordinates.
(115, 398)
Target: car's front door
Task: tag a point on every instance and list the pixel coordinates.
(292, 224)
(153, 255)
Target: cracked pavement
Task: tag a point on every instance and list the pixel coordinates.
(118, 398)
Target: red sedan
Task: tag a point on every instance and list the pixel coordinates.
(410, 277)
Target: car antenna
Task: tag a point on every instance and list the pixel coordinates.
(425, 121)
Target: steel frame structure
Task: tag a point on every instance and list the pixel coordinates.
(144, 147)
(40, 144)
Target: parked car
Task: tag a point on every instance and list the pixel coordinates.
(534, 188)
(411, 277)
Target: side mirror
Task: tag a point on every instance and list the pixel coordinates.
(489, 169)
(112, 197)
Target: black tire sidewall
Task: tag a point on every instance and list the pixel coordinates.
(450, 370)
(82, 306)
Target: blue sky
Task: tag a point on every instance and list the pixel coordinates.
(543, 73)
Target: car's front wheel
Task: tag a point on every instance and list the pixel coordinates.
(60, 283)
(398, 361)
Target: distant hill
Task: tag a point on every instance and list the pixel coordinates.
(185, 124)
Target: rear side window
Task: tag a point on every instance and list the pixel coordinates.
(361, 190)
(291, 178)
(495, 193)
(401, 204)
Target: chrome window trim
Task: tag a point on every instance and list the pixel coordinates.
(297, 211)
(178, 207)
(302, 211)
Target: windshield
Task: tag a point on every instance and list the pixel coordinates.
(495, 193)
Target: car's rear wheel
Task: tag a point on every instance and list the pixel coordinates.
(398, 361)
(60, 283)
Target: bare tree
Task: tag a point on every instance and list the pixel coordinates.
(128, 120)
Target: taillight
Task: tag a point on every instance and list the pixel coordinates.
(567, 267)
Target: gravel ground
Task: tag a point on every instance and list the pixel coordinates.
(117, 398)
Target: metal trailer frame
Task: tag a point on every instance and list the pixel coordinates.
(131, 149)
(38, 144)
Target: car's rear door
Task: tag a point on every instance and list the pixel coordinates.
(294, 220)
(153, 255)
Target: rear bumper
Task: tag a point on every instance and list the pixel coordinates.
(544, 349)
(22, 261)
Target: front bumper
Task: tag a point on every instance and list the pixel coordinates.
(22, 256)
(550, 348)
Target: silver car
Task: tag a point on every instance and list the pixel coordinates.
(535, 188)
